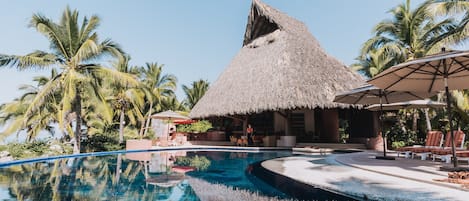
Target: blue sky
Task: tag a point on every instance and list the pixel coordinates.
(193, 39)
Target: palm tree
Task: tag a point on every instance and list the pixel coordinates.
(129, 101)
(12, 114)
(410, 34)
(160, 86)
(374, 62)
(194, 94)
(74, 50)
(172, 103)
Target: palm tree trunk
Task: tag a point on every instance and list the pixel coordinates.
(121, 126)
(118, 170)
(427, 119)
(142, 127)
(148, 119)
(77, 145)
(414, 121)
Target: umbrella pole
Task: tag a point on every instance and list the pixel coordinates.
(167, 136)
(381, 119)
(382, 126)
(448, 105)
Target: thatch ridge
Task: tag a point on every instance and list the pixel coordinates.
(280, 68)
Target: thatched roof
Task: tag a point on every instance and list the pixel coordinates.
(280, 66)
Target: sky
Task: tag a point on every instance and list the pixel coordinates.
(193, 39)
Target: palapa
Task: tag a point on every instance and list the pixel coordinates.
(281, 66)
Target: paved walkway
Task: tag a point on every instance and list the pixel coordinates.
(363, 176)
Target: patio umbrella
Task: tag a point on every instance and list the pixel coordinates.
(369, 94)
(444, 71)
(415, 104)
(169, 115)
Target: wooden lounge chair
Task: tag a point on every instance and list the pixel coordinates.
(243, 141)
(446, 153)
(425, 152)
(433, 139)
(462, 156)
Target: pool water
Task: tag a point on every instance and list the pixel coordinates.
(135, 176)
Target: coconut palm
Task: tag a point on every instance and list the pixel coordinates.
(160, 86)
(195, 93)
(12, 114)
(75, 49)
(128, 101)
(411, 34)
(374, 62)
(172, 103)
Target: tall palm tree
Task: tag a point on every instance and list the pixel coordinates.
(195, 93)
(129, 101)
(74, 50)
(160, 87)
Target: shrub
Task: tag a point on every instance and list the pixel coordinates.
(197, 127)
(401, 137)
(398, 144)
(200, 163)
(35, 149)
(102, 142)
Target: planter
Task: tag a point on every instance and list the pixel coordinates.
(138, 144)
(287, 141)
(269, 141)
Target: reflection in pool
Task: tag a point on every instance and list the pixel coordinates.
(134, 176)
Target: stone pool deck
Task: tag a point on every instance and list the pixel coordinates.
(361, 175)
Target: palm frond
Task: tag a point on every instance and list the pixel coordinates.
(38, 59)
(53, 32)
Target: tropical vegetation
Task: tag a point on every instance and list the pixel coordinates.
(414, 33)
(87, 99)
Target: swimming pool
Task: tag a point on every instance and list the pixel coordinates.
(160, 175)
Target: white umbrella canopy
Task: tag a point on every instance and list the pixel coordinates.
(369, 94)
(427, 73)
(415, 104)
(169, 115)
(444, 71)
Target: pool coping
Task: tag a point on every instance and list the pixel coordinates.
(153, 149)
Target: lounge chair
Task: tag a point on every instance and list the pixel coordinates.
(243, 141)
(233, 140)
(446, 153)
(425, 152)
(433, 139)
(462, 156)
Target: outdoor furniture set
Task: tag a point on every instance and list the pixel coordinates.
(435, 147)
